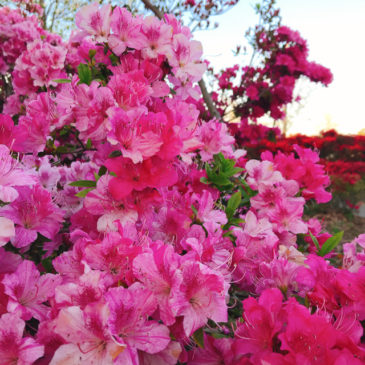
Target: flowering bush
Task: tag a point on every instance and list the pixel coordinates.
(265, 86)
(342, 156)
(133, 233)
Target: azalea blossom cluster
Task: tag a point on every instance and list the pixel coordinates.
(132, 232)
(266, 85)
(342, 155)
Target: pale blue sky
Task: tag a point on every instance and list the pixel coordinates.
(335, 31)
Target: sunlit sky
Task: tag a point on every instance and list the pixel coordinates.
(335, 32)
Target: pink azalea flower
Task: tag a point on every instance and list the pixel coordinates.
(100, 202)
(287, 215)
(114, 256)
(94, 124)
(33, 133)
(157, 37)
(185, 58)
(6, 130)
(262, 172)
(87, 290)
(32, 212)
(128, 321)
(43, 62)
(168, 356)
(8, 261)
(308, 338)
(159, 272)
(130, 89)
(88, 339)
(204, 293)
(11, 175)
(262, 320)
(205, 209)
(7, 230)
(95, 21)
(27, 291)
(133, 135)
(215, 138)
(150, 173)
(14, 348)
(126, 31)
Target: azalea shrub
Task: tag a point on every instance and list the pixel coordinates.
(343, 157)
(265, 84)
(132, 231)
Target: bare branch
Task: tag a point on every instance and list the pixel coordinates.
(209, 101)
(153, 8)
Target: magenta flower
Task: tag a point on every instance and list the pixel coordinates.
(159, 272)
(261, 323)
(126, 31)
(308, 338)
(27, 291)
(204, 293)
(14, 348)
(129, 323)
(33, 212)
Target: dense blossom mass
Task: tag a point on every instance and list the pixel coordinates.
(131, 230)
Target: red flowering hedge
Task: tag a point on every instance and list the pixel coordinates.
(342, 155)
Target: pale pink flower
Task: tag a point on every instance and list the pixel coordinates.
(262, 172)
(87, 336)
(95, 21)
(7, 230)
(215, 138)
(185, 58)
(11, 174)
(157, 37)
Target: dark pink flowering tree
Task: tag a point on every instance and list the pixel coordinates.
(132, 232)
(266, 85)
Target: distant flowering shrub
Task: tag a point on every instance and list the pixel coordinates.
(131, 230)
(342, 155)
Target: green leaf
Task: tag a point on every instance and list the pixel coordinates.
(315, 241)
(92, 53)
(83, 193)
(233, 204)
(114, 59)
(62, 149)
(102, 170)
(88, 144)
(115, 154)
(330, 244)
(198, 337)
(84, 73)
(47, 264)
(84, 183)
(62, 81)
